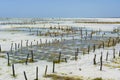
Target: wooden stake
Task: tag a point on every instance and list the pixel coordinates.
(88, 49)
(13, 70)
(30, 29)
(46, 70)
(59, 57)
(25, 75)
(77, 50)
(94, 60)
(37, 43)
(94, 48)
(114, 53)
(31, 44)
(53, 66)
(27, 43)
(86, 33)
(107, 56)
(91, 35)
(113, 43)
(36, 73)
(40, 42)
(101, 62)
(0, 48)
(27, 59)
(99, 31)
(40, 32)
(66, 60)
(46, 42)
(37, 32)
(32, 55)
(11, 47)
(81, 33)
(15, 46)
(103, 44)
(8, 59)
(76, 56)
(21, 45)
(109, 42)
(18, 45)
(49, 43)
(119, 53)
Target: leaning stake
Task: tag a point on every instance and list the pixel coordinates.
(25, 75)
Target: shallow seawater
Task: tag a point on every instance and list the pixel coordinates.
(67, 44)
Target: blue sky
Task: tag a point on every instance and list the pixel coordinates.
(60, 8)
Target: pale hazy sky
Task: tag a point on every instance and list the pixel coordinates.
(59, 8)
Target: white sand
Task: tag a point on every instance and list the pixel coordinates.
(71, 68)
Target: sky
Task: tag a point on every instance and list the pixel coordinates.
(60, 8)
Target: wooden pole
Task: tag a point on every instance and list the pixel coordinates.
(0, 48)
(53, 66)
(114, 53)
(107, 56)
(37, 32)
(109, 42)
(11, 47)
(40, 33)
(66, 60)
(94, 60)
(25, 75)
(27, 59)
(94, 48)
(76, 54)
(59, 57)
(32, 55)
(36, 73)
(46, 42)
(21, 45)
(91, 35)
(86, 33)
(13, 70)
(119, 53)
(46, 70)
(99, 31)
(37, 43)
(31, 44)
(81, 33)
(103, 44)
(49, 43)
(27, 43)
(88, 49)
(101, 62)
(113, 43)
(77, 50)
(8, 59)
(18, 45)
(15, 46)
(40, 42)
